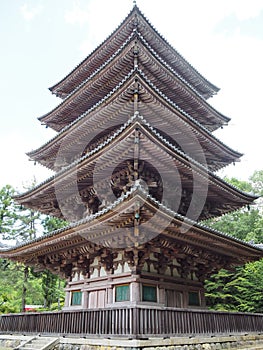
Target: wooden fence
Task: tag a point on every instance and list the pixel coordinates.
(132, 322)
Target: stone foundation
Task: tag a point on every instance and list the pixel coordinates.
(9, 342)
(237, 342)
(252, 341)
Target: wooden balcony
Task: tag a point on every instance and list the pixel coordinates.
(132, 322)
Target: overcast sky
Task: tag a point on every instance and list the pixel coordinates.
(43, 40)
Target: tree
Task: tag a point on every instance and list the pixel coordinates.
(28, 225)
(52, 284)
(17, 224)
(246, 223)
(12, 284)
(238, 290)
(51, 223)
(8, 212)
(51, 288)
(241, 289)
(257, 181)
(218, 294)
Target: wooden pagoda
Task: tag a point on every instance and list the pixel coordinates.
(135, 161)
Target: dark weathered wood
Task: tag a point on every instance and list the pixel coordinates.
(132, 322)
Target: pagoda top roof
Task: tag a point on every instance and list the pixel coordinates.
(100, 229)
(116, 69)
(135, 20)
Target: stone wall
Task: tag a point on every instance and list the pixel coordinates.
(237, 342)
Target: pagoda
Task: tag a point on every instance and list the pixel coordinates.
(134, 160)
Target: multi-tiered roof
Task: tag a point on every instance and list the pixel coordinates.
(135, 158)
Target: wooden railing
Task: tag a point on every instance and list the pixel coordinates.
(132, 322)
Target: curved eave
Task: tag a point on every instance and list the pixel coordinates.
(197, 127)
(204, 113)
(121, 145)
(153, 92)
(186, 70)
(107, 48)
(102, 81)
(96, 227)
(93, 61)
(114, 105)
(109, 75)
(188, 118)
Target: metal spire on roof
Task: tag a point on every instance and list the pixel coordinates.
(134, 3)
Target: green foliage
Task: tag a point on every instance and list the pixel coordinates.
(27, 226)
(16, 222)
(241, 185)
(52, 289)
(41, 288)
(11, 287)
(257, 182)
(50, 224)
(241, 289)
(8, 214)
(51, 284)
(246, 223)
(20, 285)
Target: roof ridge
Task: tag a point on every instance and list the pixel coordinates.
(83, 115)
(185, 113)
(215, 88)
(143, 75)
(179, 76)
(115, 54)
(90, 77)
(136, 187)
(162, 139)
(94, 50)
(206, 83)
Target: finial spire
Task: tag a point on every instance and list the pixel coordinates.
(134, 3)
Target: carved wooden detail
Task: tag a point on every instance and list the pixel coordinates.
(107, 260)
(122, 180)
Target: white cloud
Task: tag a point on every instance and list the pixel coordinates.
(77, 15)
(28, 12)
(244, 11)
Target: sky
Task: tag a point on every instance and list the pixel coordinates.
(43, 40)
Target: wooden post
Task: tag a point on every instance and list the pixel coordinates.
(135, 292)
(67, 299)
(161, 295)
(110, 295)
(85, 299)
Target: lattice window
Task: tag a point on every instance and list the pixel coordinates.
(149, 293)
(122, 292)
(76, 297)
(193, 299)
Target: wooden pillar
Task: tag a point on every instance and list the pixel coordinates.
(110, 295)
(85, 299)
(109, 290)
(135, 292)
(67, 299)
(202, 298)
(161, 295)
